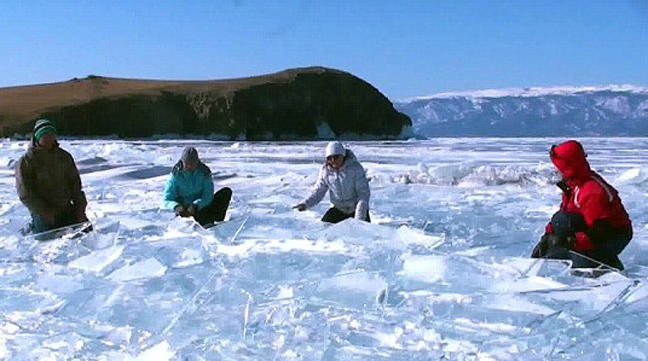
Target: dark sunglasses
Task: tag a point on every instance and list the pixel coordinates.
(552, 151)
(336, 156)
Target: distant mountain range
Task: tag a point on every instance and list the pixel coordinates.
(614, 110)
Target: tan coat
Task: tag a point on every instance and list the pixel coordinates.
(48, 182)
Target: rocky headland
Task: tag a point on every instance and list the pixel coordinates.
(295, 104)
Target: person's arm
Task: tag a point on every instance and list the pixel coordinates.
(25, 185)
(78, 196)
(600, 231)
(170, 200)
(207, 193)
(595, 206)
(364, 193)
(595, 235)
(566, 192)
(318, 192)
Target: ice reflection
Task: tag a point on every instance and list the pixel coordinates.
(442, 273)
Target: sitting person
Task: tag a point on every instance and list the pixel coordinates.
(592, 227)
(189, 191)
(48, 182)
(345, 179)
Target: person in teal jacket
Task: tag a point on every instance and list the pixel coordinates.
(189, 191)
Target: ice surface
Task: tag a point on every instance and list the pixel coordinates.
(143, 269)
(98, 260)
(442, 272)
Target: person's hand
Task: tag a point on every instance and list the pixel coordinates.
(180, 211)
(81, 217)
(570, 242)
(192, 210)
(556, 241)
(540, 249)
(300, 207)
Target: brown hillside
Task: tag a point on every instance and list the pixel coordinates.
(100, 105)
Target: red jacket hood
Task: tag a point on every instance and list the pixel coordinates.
(570, 159)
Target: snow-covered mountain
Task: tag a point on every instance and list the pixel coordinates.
(620, 110)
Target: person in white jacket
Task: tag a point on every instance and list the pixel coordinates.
(345, 179)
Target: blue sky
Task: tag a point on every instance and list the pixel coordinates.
(404, 48)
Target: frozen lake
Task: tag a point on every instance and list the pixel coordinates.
(442, 274)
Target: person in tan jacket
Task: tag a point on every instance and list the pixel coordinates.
(344, 178)
(48, 182)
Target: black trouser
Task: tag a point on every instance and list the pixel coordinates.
(64, 218)
(607, 252)
(567, 225)
(334, 215)
(585, 259)
(215, 211)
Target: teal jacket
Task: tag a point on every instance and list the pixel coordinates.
(186, 187)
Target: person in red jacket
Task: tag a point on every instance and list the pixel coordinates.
(592, 227)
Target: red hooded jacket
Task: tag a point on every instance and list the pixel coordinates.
(590, 195)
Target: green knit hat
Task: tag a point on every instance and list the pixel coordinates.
(42, 127)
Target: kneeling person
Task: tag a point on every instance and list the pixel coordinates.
(48, 182)
(592, 226)
(345, 180)
(189, 191)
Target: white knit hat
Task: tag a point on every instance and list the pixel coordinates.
(335, 148)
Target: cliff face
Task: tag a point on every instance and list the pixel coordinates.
(310, 103)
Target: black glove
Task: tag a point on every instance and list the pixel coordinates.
(180, 211)
(555, 241)
(192, 210)
(570, 242)
(540, 250)
(300, 207)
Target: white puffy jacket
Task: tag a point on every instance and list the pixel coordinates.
(348, 186)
